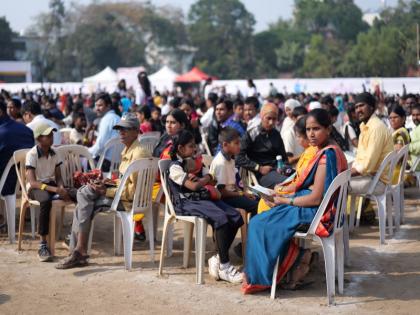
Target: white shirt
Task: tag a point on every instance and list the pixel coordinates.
(254, 122)
(140, 96)
(44, 166)
(207, 118)
(165, 109)
(224, 171)
(290, 143)
(105, 133)
(352, 135)
(40, 119)
(288, 123)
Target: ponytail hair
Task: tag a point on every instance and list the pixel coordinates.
(183, 137)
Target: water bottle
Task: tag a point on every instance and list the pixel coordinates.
(280, 163)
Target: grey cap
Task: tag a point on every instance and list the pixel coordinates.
(128, 121)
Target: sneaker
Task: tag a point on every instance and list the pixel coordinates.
(230, 274)
(214, 263)
(44, 253)
(74, 260)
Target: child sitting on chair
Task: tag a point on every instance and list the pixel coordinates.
(44, 181)
(190, 197)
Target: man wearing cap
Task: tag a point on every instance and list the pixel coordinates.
(375, 142)
(96, 197)
(44, 181)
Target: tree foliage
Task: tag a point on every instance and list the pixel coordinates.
(222, 32)
(7, 51)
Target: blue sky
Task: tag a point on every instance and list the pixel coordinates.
(20, 13)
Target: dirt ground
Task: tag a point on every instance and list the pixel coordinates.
(382, 279)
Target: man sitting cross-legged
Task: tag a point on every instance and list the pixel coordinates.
(95, 197)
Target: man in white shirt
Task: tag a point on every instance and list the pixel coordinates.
(251, 116)
(32, 115)
(105, 129)
(292, 147)
(211, 103)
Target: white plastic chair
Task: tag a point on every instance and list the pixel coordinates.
(333, 245)
(397, 189)
(65, 135)
(413, 170)
(248, 178)
(116, 147)
(142, 203)
(200, 225)
(148, 142)
(19, 157)
(388, 166)
(75, 158)
(9, 202)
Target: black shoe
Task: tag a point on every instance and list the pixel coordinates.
(44, 253)
(140, 236)
(238, 250)
(74, 260)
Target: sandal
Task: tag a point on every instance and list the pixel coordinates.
(74, 260)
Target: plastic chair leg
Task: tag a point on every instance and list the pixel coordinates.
(23, 208)
(33, 220)
(352, 212)
(151, 233)
(359, 211)
(200, 247)
(128, 237)
(402, 204)
(244, 231)
(92, 226)
(396, 195)
(328, 247)
(117, 235)
(389, 214)
(10, 204)
(166, 224)
(51, 234)
(381, 201)
(339, 245)
(274, 283)
(346, 241)
(188, 231)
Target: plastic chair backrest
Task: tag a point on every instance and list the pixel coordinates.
(163, 168)
(248, 178)
(340, 184)
(146, 170)
(65, 135)
(6, 173)
(148, 142)
(401, 157)
(116, 147)
(74, 159)
(415, 165)
(205, 143)
(386, 166)
(19, 157)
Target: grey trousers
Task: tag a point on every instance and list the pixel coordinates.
(89, 203)
(360, 185)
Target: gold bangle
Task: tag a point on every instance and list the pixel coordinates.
(43, 186)
(241, 193)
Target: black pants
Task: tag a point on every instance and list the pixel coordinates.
(224, 239)
(45, 200)
(242, 202)
(106, 165)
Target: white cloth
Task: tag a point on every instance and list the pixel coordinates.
(224, 171)
(40, 119)
(351, 135)
(254, 122)
(409, 123)
(288, 123)
(165, 109)
(105, 133)
(291, 104)
(140, 96)
(75, 137)
(290, 143)
(207, 118)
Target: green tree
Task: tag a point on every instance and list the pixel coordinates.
(222, 32)
(7, 51)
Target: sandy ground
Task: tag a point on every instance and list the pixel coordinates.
(382, 279)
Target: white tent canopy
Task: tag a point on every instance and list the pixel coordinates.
(107, 80)
(163, 79)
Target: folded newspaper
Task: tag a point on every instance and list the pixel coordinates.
(263, 192)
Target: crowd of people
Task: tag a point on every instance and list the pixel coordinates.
(295, 144)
